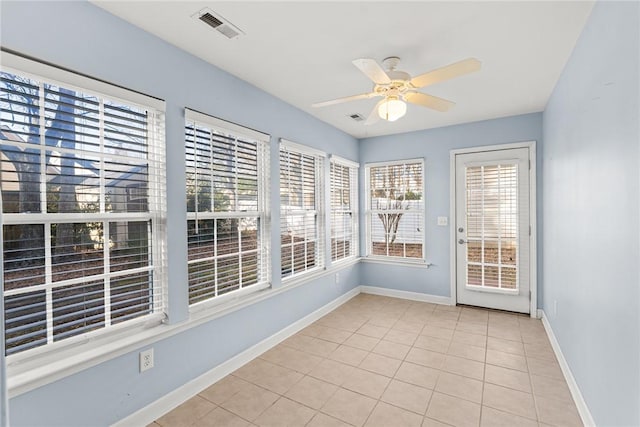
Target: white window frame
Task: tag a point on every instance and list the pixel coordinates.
(353, 168)
(369, 213)
(41, 72)
(262, 214)
(319, 212)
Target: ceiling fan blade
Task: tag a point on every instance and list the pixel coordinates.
(373, 70)
(373, 115)
(429, 101)
(447, 72)
(345, 99)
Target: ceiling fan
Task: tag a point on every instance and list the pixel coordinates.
(397, 87)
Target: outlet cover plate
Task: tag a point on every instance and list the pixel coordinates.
(146, 360)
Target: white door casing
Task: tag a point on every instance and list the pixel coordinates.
(493, 253)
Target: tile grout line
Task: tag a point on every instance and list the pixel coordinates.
(369, 352)
(387, 386)
(320, 409)
(535, 401)
(484, 373)
(439, 373)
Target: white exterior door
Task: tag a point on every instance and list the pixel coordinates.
(492, 229)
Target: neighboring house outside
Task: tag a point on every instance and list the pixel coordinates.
(125, 191)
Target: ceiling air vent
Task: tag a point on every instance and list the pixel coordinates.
(357, 117)
(218, 23)
(208, 18)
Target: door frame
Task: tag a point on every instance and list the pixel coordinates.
(533, 245)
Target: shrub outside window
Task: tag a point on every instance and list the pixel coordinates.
(395, 209)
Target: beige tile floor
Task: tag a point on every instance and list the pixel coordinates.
(378, 361)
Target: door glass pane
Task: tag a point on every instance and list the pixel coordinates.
(491, 225)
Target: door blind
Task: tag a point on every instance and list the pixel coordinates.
(492, 226)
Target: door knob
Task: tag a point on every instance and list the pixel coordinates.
(460, 229)
(462, 241)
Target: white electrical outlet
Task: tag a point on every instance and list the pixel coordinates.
(337, 278)
(443, 221)
(146, 360)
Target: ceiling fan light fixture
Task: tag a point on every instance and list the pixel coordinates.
(391, 109)
(397, 88)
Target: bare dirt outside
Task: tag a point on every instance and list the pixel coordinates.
(77, 308)
(227, 264)
(407, 250)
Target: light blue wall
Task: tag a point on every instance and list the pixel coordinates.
(434, 145)
(591, 209)
(82, 37)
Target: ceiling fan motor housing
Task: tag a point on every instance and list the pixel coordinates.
(400, 84)
(395, 75)
(391, 62)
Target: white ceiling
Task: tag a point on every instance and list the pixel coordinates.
(301, 52)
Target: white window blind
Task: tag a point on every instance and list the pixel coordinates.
(227, 206)
(301, 231)
(492, 225)
(344, 209)
(395, 209)
(80, 254)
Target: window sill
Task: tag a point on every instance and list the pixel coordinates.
(293, 281)
(345, 261)
(397, 261)
(229, 300)
(27, 372)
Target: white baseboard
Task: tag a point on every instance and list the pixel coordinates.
(155, 410)
(414, 296)
(583, 409)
